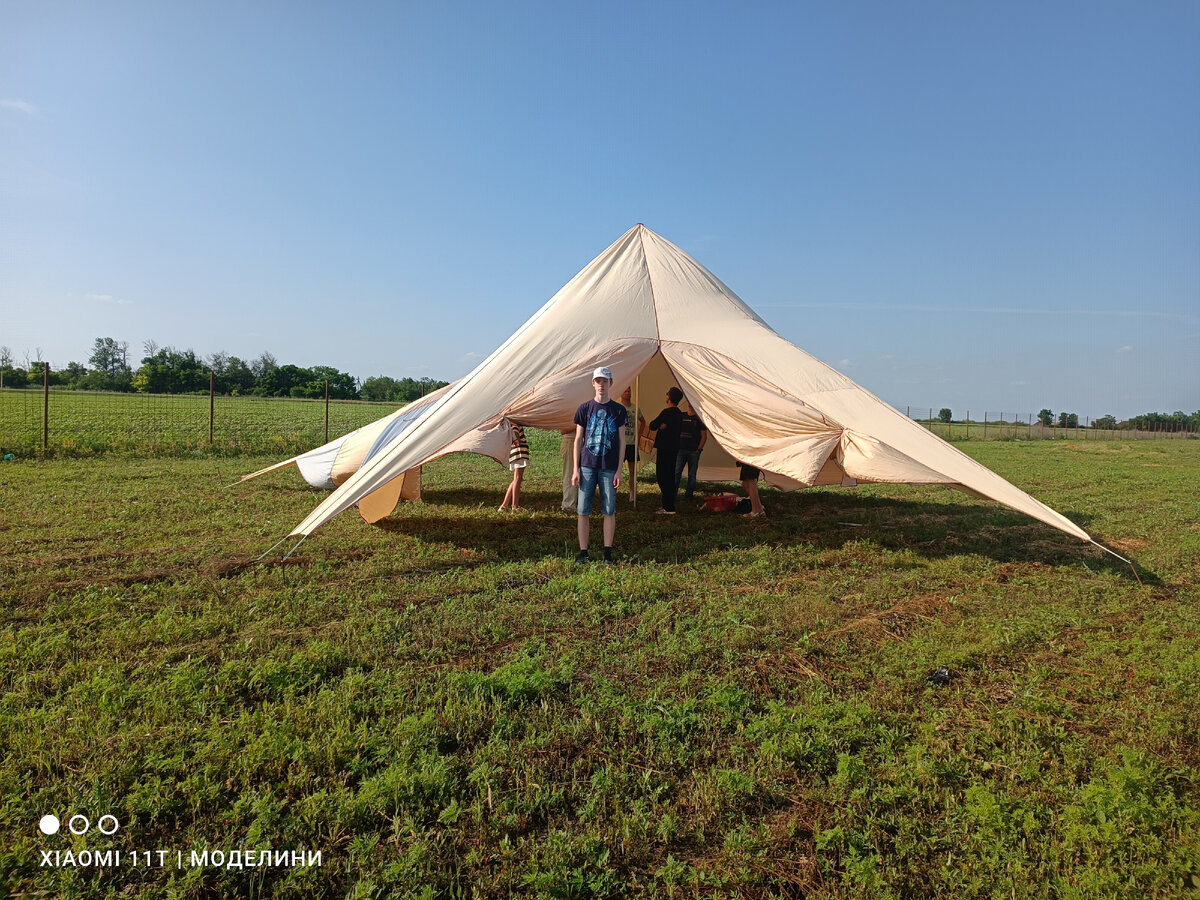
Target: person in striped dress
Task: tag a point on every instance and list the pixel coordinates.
(518, 459)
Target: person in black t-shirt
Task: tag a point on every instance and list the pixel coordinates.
(666, 426)
(693, 435)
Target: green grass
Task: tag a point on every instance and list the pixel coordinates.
(1025, 431)
(445, 706)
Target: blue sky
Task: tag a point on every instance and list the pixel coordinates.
(986, 206)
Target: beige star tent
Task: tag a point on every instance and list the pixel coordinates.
(656, 317)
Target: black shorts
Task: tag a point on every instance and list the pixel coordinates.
(630, 450)
(749, 473)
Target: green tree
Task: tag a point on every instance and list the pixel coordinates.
(264, 364)
(404, 390)
(171, 371)
(1107, 422)
(230, 374)
(285, 381)
(414, 389)
(237, 378)
(944, 415)
(379, 388)
(36, 371)
(75, 374)
(109, 356)
(1046, 417)
(10, 376)
(342, 385)
(1176, 421)
(109, 366)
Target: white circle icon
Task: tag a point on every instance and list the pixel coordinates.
(81, 830)
(49, 825)
(113, 829)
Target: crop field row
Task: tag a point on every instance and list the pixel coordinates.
(881, 692)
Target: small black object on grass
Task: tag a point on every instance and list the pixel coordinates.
(940, 675)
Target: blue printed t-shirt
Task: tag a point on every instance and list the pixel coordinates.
(602, 423)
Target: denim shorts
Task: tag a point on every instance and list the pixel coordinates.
(588, 477)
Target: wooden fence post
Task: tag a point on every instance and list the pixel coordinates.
(326, 411)
(212, 408)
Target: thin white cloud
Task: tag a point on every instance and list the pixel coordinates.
(108, 298)
(1127, 348)
(991, 310)
(18, 106)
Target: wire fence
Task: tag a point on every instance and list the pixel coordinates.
(1001, 426)
(58, 422)
(86, 423)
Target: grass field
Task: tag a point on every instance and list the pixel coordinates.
(445, 706)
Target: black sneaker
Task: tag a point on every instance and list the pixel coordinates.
(608, 560)
(582, 558)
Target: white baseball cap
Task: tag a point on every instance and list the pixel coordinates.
(602, 372)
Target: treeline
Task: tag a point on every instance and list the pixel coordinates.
(1169, 422)
(1176, 421)
(167, 370)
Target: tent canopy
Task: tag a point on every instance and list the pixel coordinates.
(654, 315)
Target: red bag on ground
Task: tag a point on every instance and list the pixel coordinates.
(721, 502)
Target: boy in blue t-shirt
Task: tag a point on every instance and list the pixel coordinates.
(599, 450)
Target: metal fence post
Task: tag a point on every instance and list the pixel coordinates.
(45, 406)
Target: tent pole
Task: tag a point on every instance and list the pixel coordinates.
(637, 405)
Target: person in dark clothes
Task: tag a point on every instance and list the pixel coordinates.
(693, 435)
(750, 476)
(666, 426)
